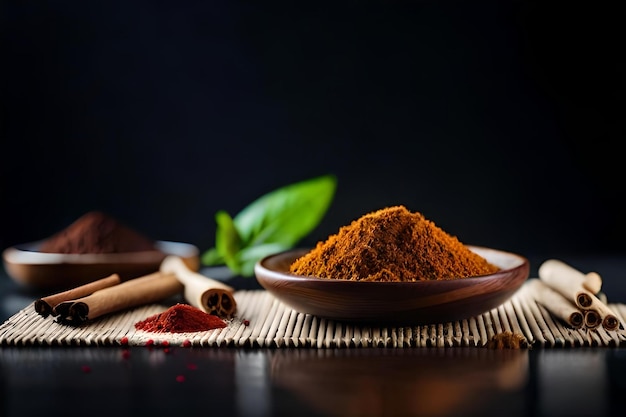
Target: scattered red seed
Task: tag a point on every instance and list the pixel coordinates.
(124, 341)
(180, 378)
(150, 342)
(165, 343)
(192, 366)
(186, 343)
(86, 368)
(166, 350)
(246, 322)
(126, 354)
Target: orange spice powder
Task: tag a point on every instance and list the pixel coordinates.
(391, 244)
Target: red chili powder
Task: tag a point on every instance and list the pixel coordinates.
(180, 318)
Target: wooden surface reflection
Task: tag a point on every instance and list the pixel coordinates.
(433, 382)
(458, 382)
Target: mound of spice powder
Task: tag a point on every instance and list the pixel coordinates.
(97, 232)
(181, 318)
(391, 244)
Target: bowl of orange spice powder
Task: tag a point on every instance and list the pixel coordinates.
(394, 267)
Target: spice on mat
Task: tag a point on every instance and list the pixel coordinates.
(181, 318)
(507, 340)
(96, 232)
(391, 244)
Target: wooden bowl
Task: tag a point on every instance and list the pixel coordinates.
(394, 303)
(55, 271)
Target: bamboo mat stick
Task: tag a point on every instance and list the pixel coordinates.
(271, 325)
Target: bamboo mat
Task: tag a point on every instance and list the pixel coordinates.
(263, 321)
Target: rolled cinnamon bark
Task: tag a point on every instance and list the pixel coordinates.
(566, 280)
(207, 294)
(610, 322)
(608, 318)
(132, 293)
(575, 285)
(556, 303)
(592, 319)
(593, 282)
(46, 305)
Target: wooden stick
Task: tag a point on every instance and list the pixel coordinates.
(555, 303)
(132, 293)
(573, 284)
(45, 305)
(207, 294)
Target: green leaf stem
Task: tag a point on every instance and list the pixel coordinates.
(274, 222)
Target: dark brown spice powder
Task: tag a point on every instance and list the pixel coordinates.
(96, 232)
(391, 244)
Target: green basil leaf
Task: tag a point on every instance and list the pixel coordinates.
(227, 240)
(270, 224)
(248, 257)
(246, 269)
(255, 253)
(287, 214)
(212, 257)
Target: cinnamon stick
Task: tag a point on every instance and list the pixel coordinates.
(592, 319)
(566, 280)
(556, 303)
(610, 322)
(46, 305)
(575, 285)
(132, 293)
(205, 293)
(593, 282)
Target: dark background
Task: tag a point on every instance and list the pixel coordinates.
(501, 121)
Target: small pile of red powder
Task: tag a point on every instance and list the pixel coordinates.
(181, 318)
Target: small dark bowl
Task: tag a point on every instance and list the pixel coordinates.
(394, 303)
(51, 271)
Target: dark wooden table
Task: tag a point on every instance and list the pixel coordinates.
(118, 381)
